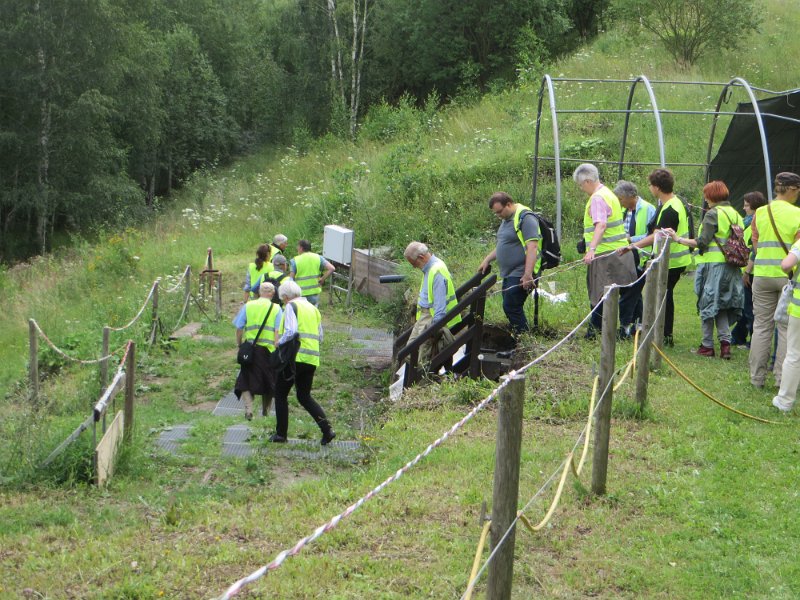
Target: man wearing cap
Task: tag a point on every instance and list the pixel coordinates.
(774, 229)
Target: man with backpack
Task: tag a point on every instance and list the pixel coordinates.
(517, 254)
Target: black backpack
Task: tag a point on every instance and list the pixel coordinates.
(276, 282)
(549, 246)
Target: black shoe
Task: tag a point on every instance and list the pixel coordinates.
(327, 437)
(668, 341)
(277, 439)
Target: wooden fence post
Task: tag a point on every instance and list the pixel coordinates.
(155, 311)
(608, 346)
(104, 363)
(219, 295)
(130, 386)
(505, 495)
(188, 291)
(648, 320)
(33, 361)
(663, 275)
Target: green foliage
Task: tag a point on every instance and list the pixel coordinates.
(689, 30)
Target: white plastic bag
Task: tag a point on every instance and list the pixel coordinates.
(782, 310)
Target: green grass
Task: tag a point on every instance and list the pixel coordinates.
(701, 503)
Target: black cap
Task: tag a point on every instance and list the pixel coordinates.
(787, 179)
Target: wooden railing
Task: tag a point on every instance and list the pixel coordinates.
(469, 332)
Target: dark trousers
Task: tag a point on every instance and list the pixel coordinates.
(630, 303)
(669, 309)
(627, 302)
(303, 380)
(513, 303)
(744, 327)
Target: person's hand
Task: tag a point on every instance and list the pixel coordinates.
(747, 279)
(624, 249)
(483, 266)
(589, 256)
(527, 281)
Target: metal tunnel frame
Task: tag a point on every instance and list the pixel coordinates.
(727, 88)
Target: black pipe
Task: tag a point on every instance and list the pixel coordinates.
(391, 278)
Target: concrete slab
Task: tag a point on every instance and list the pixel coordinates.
(187, 331)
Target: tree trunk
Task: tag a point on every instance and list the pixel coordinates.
(336, 58)
(357, 60)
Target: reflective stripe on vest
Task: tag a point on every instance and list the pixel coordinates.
(439, 268)
(255, 311)
(769, 251)
(679, 256)
(518, 229)
(614, 235)
(308, 323)
(713, 253)
(256, 274)
(308, 273)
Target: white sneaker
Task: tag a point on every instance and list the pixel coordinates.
(776, 402)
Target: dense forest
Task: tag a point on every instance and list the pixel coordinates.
(107, 105)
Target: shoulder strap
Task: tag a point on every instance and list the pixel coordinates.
(775, 227)
(264, 322)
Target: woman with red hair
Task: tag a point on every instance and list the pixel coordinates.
(718, 285)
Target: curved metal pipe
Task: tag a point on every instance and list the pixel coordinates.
(656, 114)
(547, 81)
(735, 82)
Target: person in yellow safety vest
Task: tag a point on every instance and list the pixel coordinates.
(770, 245)
(671, 214)
(257, 378)
(790, 378)
(741, 334)
(278, 245)
(718, 285)
(256, 270)
(604, 234)
(303, 319)
(437, 296)
(639, 217)
(516, 252)
(310, 271)
(278, 274)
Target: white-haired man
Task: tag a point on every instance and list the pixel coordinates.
(278, 245)
(604, 234)
(436, 297)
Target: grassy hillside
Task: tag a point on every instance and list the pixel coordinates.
(701, 504)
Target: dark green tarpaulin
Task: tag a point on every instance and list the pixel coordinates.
(740, 163)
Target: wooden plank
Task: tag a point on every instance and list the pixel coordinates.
(366, 271)
(106, 451)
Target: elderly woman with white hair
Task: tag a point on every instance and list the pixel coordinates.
(257, 322)
(301, 319)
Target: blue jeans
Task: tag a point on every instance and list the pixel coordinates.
(513, 303)
(313, 299)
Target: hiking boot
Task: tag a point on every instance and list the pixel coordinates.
(725, 350)
(669, 342)
(705, 351)
(327, 437)
(277, 439)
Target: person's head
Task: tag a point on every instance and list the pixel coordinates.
(627, 193)
(266, 290)
(661, 180)
(715, 192)
(262, 255)
(787, 185)
(502, 205)
(752, 201)
(417, 254)
(303, 246)
(587, 177)
(288, 291)
(280, 262)
(280, 241)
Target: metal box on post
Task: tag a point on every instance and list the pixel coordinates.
(337, 244)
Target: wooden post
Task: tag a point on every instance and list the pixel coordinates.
(219, 295)
(130, 386)
(104, 363)
(188, 283)
(155, 311)
(505, 495)
(663, 274)
(33, 361)
(605, 385)
(646, 335)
